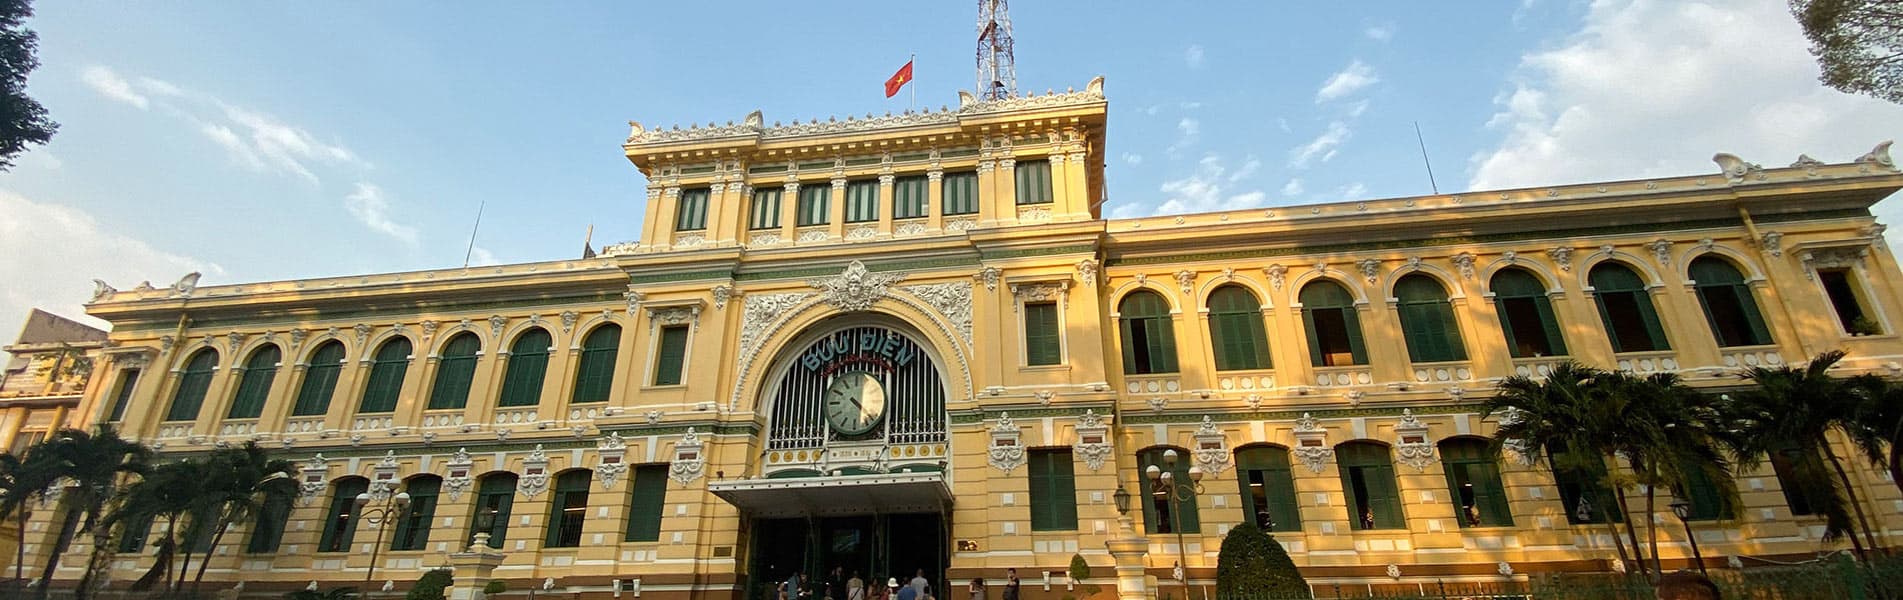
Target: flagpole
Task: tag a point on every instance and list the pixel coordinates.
(911, 101)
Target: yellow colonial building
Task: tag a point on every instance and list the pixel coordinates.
(911, 341)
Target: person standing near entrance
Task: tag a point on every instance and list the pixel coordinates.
(920, 587)
(908, 593)
(855, 587)
(977, 588)
(1010, 584)
(790, 590)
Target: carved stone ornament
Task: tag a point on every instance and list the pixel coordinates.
(1394, 571)
(534, 478)
(189, 283)
(612, 464)
(1562, 256)
(952, 300)
(634, 301)
(722, 293)
(1773, 243)
(1087, 271)
(1311, 444)
(383, 479)
(1464, 262)
(363, 331)
(459, 475)
(1007, 448)
(1093, 440)
(1411, 443)
(1834, 257)
(990, 276)
(496, 325)
(673, 315)
(1805, 161)
(1521, 450)
(1026, 293)
(315, 479)
(1370, 268)
(297, 337)
(761, 311)
(568, 320)
(233, 341)
(855, 288)
(1186, 279)
(101, 291)
(429, 329)
(1736, 169)
(1278, 274)
(689, 461)
(1879, 156)
(1503, 568)
(1212, 450)
(1661, 249)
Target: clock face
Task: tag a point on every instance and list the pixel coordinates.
(854, 403)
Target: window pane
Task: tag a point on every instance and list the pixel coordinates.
(1844, 300)
(1268, 488)
(386, 377)
(594, 375)
(766, 209)
(814, 206)
(255, 384)
(495, 496)
(862, 201)
(960, 193)
(455, 371)
(193, 382)
(690, 214)
(1157, 506)
(1041, 335)
(1034, 181)
(1053, 490)
(672, 355)
(342, 521)
(269, 531)
(122, 394)
(648, 498)
(320, 380)
(909, 199)
(528, 363)
(412, 531)
(569, 509)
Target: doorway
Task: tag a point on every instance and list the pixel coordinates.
(877, 547)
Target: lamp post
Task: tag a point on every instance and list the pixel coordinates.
(1164, 482)
(390, 509)
(1122, 497)
(1684, 511)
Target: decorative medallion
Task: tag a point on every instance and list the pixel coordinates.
(1007, 451)
(1186, 279)
(722, 293)
(534, 478)
(689, 462)
(458, 477)
(1411, 442)
(568, 320)
(363, 331)
(1212, 451)
(496, 324)
(855, 288)
(989, 275)
(1087, 271)
(1278, 274)
(761, 310)
(1661, 249)
(1521, 450)
(611, 466)
(1093, 440)
(1562, 256)
(1370, 268)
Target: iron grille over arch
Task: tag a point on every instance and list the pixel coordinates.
(906, 371)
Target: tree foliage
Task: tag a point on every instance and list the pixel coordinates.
(22, 120)
(1253, 565)
(1858, 44)
(431, 585)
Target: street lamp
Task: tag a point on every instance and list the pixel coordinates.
(1684, 511)
(1175, 493)
(391, 508)
(1122, 497)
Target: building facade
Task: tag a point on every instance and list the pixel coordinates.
(911, 341)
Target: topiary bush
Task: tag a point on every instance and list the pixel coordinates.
(495, 586)
(1079, 572)
(1253, 565)
(430, 586)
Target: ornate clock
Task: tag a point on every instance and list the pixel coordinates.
(854, 403)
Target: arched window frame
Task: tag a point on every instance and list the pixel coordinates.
(1266, 468)
(1645, 310)
(1426, 316)
(595, 371)
(1539, 300)
(1238, 338)
(1153, 328)
(194, 382)
(320, 379)
(413, 530)
(1376, 503)
(456, 366)
(1316, 322)
(495, 491)
(389, 366)
(1474, 484)
(1156, 517)
(254, 382)
(568, 508)
(340, 523)
(1723, 289)
(526, 368)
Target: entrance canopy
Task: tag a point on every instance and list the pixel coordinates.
(837, 495)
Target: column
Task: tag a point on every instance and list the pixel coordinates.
(987, 191)
(789, 211)
(886, 207)
(652, 222)
(1060, 185)
(10, 426)
(836, 210)
(1078, 180)
(1131, 551)
(475, 567)
(935, 199)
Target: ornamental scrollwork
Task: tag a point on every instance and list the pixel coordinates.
(855, 288)
(316, 479)
(1412, 445)
(534, 478)
(722, 293)
(1464, 262)
(1093, 440)
(1087, 271)
(951, 300)
(1278, 274)
(689, 462)
(611, 465)
(459, 476)
(1007, 450)
(1212, 451)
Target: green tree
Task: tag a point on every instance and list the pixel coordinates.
(18, 485)
(1880, 417)
(1253, 565)
(91, 467)
(239, 482)
(1858, 44)
(1798, 408)
(1670, 436)
(22, 120)
(431, 585)
(168, 492)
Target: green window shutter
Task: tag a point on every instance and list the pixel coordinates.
(765, 213)
(909, 197)
(1506, 327)
(1314, 339)
(1270, 468)
(1387, 500)
(1236, 331)
(672, 356)
(1554, 337)
(813, 209)
(1753, 319)
(133, 533)
(690, 211)
(1034, 181)
(1186, 510)
(122, 395)
(495, 499)
(1053, 490)
(1648, 315)
(1456, 348)
(569, 508)
(1605, 319)
(412, 531)
(320, 380)
(1356, 348)
(259, 371)
(1417, 333)
(647, 499)
(594, 374)
(862, 201)
(1492, 496)
(1162, 344)
(341, 524)
(1126, 329)
(1041, 334)
(960, 191)
(455, 371)
(193, 382)
(528, 365)
(268, 533)
(386, 377)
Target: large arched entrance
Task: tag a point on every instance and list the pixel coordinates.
(851, 476)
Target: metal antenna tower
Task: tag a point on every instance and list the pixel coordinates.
(997, 70)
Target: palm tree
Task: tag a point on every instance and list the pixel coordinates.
(242, 481)
(1797, 408)
(91, 465)
(1880, 417)
(19, 483)
(1669, 436)
(1566, 418)
(169, 492)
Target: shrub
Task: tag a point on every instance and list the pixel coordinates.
(495, 586)
(430, 586)
(1079, 572)
(1253, 565)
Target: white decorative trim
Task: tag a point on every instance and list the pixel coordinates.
(951, 300)
(316, 473)
(689, 461)
(1464, 262)
(860, 233)
(760, 312)
(1522, 451)
(1093, 440)
(1087, 271)
(534, 478)
(1371, 269)
(722, 293)
(1278, 274)
(990, 277)
(459, 474)
(1006, 451)
(1311, 444)
(960, 224)
(1212, 450)
(1056, 291)
(611, 465)
(855, 288)
(383, 480)
(1186, 279)
(1411, 443)
(764, 239)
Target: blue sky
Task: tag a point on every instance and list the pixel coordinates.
(267, 141)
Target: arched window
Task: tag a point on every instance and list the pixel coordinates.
(1802, 478)
(193, 382)
(455, 371)
(1632, 323)
(1709, 502)
(495, 498)
(1156, 504)
(1582, 479)
(1427, 320)
(1149, 339)
(412, 531)
(528, 362)
(255, 384)
(1268, 488)
(1334, 331)
(273, 514)
(1526, 315)
(594, 375)
(320, 380)
(1473, 480)
(1367, 476)
(386, 376)
(341, 523)
(1235, 329)
(569, 509)
(1729, 307)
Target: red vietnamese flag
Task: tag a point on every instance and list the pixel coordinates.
(898, 80)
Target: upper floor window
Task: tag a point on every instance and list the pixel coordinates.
(386, 376)
(1632, 323)
(691, 213)
(528, 363)
(815, 204)
(569, 508)
(1848, 302)
(1367, 476)
(193, 381)
(320, 380)
(1034, 181)
(1268, 488)
(1149, 339)
(1729, 306)
(122, 394)
(671, 359)
(594, 375)
(1427, 320)
(909, 197)
(765, 213)
(341, 523)
(1236, 331)
(455, 372)
(1526, 315)
(1473, 479)
(1333, 328)
(1043, 334)
(255, 385)
(862, 201)
(960, 191)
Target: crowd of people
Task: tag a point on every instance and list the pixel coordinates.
(841, 584)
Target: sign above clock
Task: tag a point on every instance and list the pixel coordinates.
(883, 350)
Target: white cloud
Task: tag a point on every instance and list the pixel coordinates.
(1152, 109)
(53, 252)
(1353, 78)
(1652, 88)
(1282, 122)
(1132, 158)
(482, 257)
(1189, 126)
(369, 206)
(1189, 105)
(1188, 132)
(1380, 33)
(290, 148)
(108, 83)
(1322, 147)
(1293, 187)
(1353, 191)
(1250, 164)
(1193, 56)
(1357, 107)
(1205, 190)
